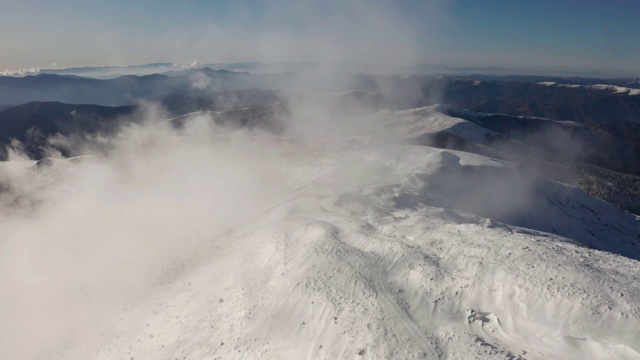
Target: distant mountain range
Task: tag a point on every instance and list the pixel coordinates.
(32, 123)
(604, 160)
(589, 101)
(107, 72)
(582, 131)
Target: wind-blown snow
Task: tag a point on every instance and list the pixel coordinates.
(354, 251)
(393, 268)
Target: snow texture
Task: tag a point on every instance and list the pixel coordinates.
(378, 251)
(415, 263)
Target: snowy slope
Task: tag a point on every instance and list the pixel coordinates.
(383, 124)
(391, 252)
(604, 87)
(433, 119)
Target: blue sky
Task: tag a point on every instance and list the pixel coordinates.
(521, 34)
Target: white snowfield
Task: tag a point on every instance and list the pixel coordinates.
(398, 268)
(393, 252)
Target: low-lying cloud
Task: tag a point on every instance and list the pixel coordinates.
(80, 237)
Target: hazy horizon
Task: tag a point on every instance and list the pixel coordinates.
(357, 67)
(585, 36)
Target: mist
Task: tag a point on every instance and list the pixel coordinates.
(130, 209)
(82, 237)
(380, 235)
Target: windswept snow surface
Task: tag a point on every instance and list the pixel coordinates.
(395, 252)
(433, 119)
(362, 250)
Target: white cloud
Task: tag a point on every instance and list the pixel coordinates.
(79, 237)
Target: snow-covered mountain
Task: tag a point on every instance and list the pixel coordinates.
(398, 252)
(347, 240)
